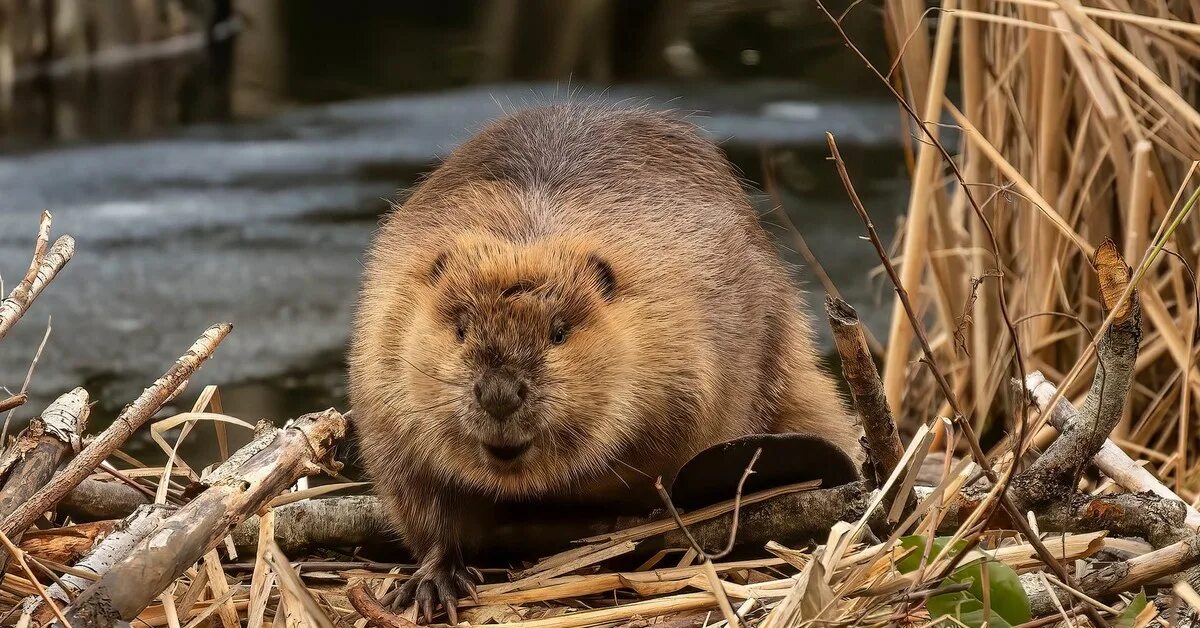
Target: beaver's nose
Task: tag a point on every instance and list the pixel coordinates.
(500, 394)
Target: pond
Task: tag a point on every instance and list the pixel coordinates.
(241, 181)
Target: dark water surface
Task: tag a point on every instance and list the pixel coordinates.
(242, 183)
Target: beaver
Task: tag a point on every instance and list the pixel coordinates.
(576, 301)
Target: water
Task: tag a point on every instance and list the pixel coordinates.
(255, 207)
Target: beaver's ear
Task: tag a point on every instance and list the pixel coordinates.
(436, 269)
(606, 280)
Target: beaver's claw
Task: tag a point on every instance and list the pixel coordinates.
(441, 583)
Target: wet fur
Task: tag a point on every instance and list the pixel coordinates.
(685, 328)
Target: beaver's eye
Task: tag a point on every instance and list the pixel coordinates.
(558, 334)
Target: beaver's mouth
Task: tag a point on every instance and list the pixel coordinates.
(507, 453)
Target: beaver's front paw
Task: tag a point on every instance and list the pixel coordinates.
(444, 582)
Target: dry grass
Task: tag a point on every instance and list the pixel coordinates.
(1078, 124)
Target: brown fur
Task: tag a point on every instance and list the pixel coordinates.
(699, 337)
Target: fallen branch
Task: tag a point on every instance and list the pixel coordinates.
(131, 418)
(363, 601)
(361, 520)
(31, 460)
(42, 270)
(97, 500)
(136, 580)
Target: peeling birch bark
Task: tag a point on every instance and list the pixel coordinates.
(31, 460)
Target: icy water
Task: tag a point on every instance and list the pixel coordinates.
(261, 221)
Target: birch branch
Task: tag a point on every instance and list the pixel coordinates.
(131, 418)
(42, 270)
(137, 579)
(35, 454)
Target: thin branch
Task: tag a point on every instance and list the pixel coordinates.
(363, 601)
(14, 401)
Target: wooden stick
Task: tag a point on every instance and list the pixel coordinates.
(14, 401)
(131, 418)
(132, 583)
(884, 448)
(364, 602)
(116, 546)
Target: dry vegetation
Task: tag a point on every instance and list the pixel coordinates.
(1076, 125)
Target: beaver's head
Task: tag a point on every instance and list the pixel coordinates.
(514, 363)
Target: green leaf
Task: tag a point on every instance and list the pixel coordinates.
(1135, 608)
(1009, 605)
(916, 542)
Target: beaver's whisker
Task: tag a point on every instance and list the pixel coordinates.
(618, 475)
(412, 411)
(635, 469)
(419, 370)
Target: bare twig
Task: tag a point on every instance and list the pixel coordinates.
(14, 401)
(737, 503)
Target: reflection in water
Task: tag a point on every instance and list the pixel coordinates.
(289, 53)
(241, 181)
